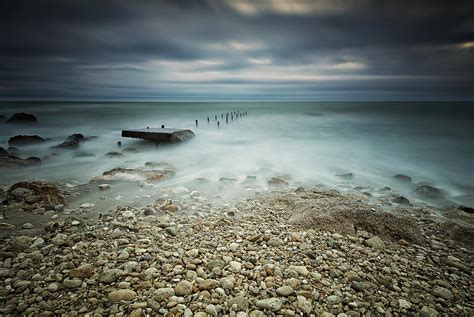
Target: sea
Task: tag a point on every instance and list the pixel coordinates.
(307, 143)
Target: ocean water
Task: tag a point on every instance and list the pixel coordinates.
(312, 143)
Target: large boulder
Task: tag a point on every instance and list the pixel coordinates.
(44, 193)
(20, 140)
(22, 118)
(3, 152)
(428, 191)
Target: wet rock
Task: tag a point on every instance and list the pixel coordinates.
(114, 154)
(403, 178)
(346, 176)
(22, 118)
(131, 150)
(104, 186)
(21, 140)
(11, 161)
(122, 295)
(428, 191)
(401, 200)
(277, 181)
(46, 193)
(227, 180)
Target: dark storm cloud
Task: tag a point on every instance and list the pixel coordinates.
(236, 49)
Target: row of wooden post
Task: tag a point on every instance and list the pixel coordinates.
(235, 114)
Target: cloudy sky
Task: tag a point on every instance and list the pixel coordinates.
(236, 50)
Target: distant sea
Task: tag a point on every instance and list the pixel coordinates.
(313, 143)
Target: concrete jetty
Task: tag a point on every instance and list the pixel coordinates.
(159, 134)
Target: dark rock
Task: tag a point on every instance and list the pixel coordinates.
(227, 180)
(22, 118)
(277, 181)
(114, 154)
(67, 145)
(13, 150)
(3, 152)
(33, 160)
(428, 191)
(19, 140)
(83, 154)
(346, 176)
(76, 137)
(48, 193)
(466, 209)
(403, 178)
(10, 161)
(401, 200)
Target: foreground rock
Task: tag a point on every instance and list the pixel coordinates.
(22, 118)
(20, 140)
(264, 262)
(151, 172)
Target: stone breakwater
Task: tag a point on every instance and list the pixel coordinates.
(277, 254)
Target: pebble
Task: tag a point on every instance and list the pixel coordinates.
(273, 304)
(122, 294)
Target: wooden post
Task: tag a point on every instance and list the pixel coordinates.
(218, 124)
(196, 123)
(119, 144)
(207, 119)
(215, 117)
(162, 126)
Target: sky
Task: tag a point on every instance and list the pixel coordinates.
(210, 50)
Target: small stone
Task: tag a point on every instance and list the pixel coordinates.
(104, 186)
(27, 226)
(172, 231)
(87, 205)
(123, 255)
(241, 302)
(428, 312)
(272, 303)
(208, 284)
(235, 266)
(75, 223)
(275, 242)
(304, 305)
(163, 294)
(211, 310)
(285, 291)
(53, 287)
(296, 271)
(442, 292)
(357, 286)
(183, 288)
(333, 299)
(74, 283)
(375, 243)
(122, 294)
(83, 271)
(403, 304)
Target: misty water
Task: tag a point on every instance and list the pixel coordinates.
(313, 143)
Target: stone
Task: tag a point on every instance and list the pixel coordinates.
(211, 310)
(72, 283)
(333, 299)
(304, 305)
(277, 181)
(83, 271)
(235, 266)
(109, 276)
(375, 243)
(285, 290)
(163, 294)
(22, 118)
(183, 288)
(75, 223)
(275, 242)
(114, 154)
(87, 206)
(104, 187)
(122, 295)
(207, 284)
(357, 286)
(273, 304)
(27, 225)
(172, 231)
(404, 304)
(401, 200)
(426, 311)
(442, 292)
(241, 302)
(296, 271)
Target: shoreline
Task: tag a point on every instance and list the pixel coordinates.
(284, 252)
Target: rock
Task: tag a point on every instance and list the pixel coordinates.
(277, 181)
(21, 140)
(87, 206)
(72, 141)
(207, 284)
(428, 191)
(162, 294)
(285, 291)
(211, 310)
(75, 223)
(273, 304)
(275, 242)
(60, 240)
(428, 312)
(227, 180)
(401, 200)
(304, 305)
(183, 288)
(131, 150)
(47, 193)
(104, 187)
(83, 271)
(114, 154)
(375, 243)
(333, 299)
(235, 266)
(3, 152)
(404, 304)
(122, 295)
(12, 161)
(109, 276)
(403, 178)
(442, 292)
(466, 209)
(74, 283)
(347, 176)
(27, 226)
(77, 137)
(357, 286)
(172, 231)
(296, 271)
(22, 118)
(7, 226)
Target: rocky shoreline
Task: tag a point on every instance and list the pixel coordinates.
(309, 251)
